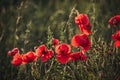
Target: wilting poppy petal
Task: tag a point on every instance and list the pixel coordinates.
(17, 60)
(46, 56)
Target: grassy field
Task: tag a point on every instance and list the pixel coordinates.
(27, 24)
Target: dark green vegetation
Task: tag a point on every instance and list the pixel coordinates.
(24, 24)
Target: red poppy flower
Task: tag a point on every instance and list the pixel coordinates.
(116, 38)
(75, 56)
(63, 48)
(41, 50)
(63, 53)
(81, 40)
(83, 22)
(45, 54)
(29, 57)
(114, 20)
(13, 52)
(85, 29)
(63, 58)
(17, 59)
(78, 56)
(117, 44)
(55, 41)
(82, 19)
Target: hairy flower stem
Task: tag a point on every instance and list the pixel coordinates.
(64, 71)
(116, 50)
(76, 72)
(17, 23)
(49, 37)
(48, 71)
(68, 25)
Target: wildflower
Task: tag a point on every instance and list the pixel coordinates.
(78, 56)
(83, 22)
(41, 50)
(115, 20)
(63, 48)
(29, 57)
(55, 41)
(75, 56)
(116, 38)
(63, 58)
(13, 52)
(63, 53)
(43, 53)
(82, 41)
(82, 19)
(85, 29)
(17, 59)
(47, 55)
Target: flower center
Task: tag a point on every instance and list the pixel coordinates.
(44, 52)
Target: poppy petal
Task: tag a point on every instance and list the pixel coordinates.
(75, 56)
(17, 60)
(40, 50)
(117, 44)
(63, 59)
(29, 57)
(45, 57)
(82, 41)
(115, 20)
(63, 48)
(85, 29)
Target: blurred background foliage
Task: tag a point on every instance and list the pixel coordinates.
(24, 23)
